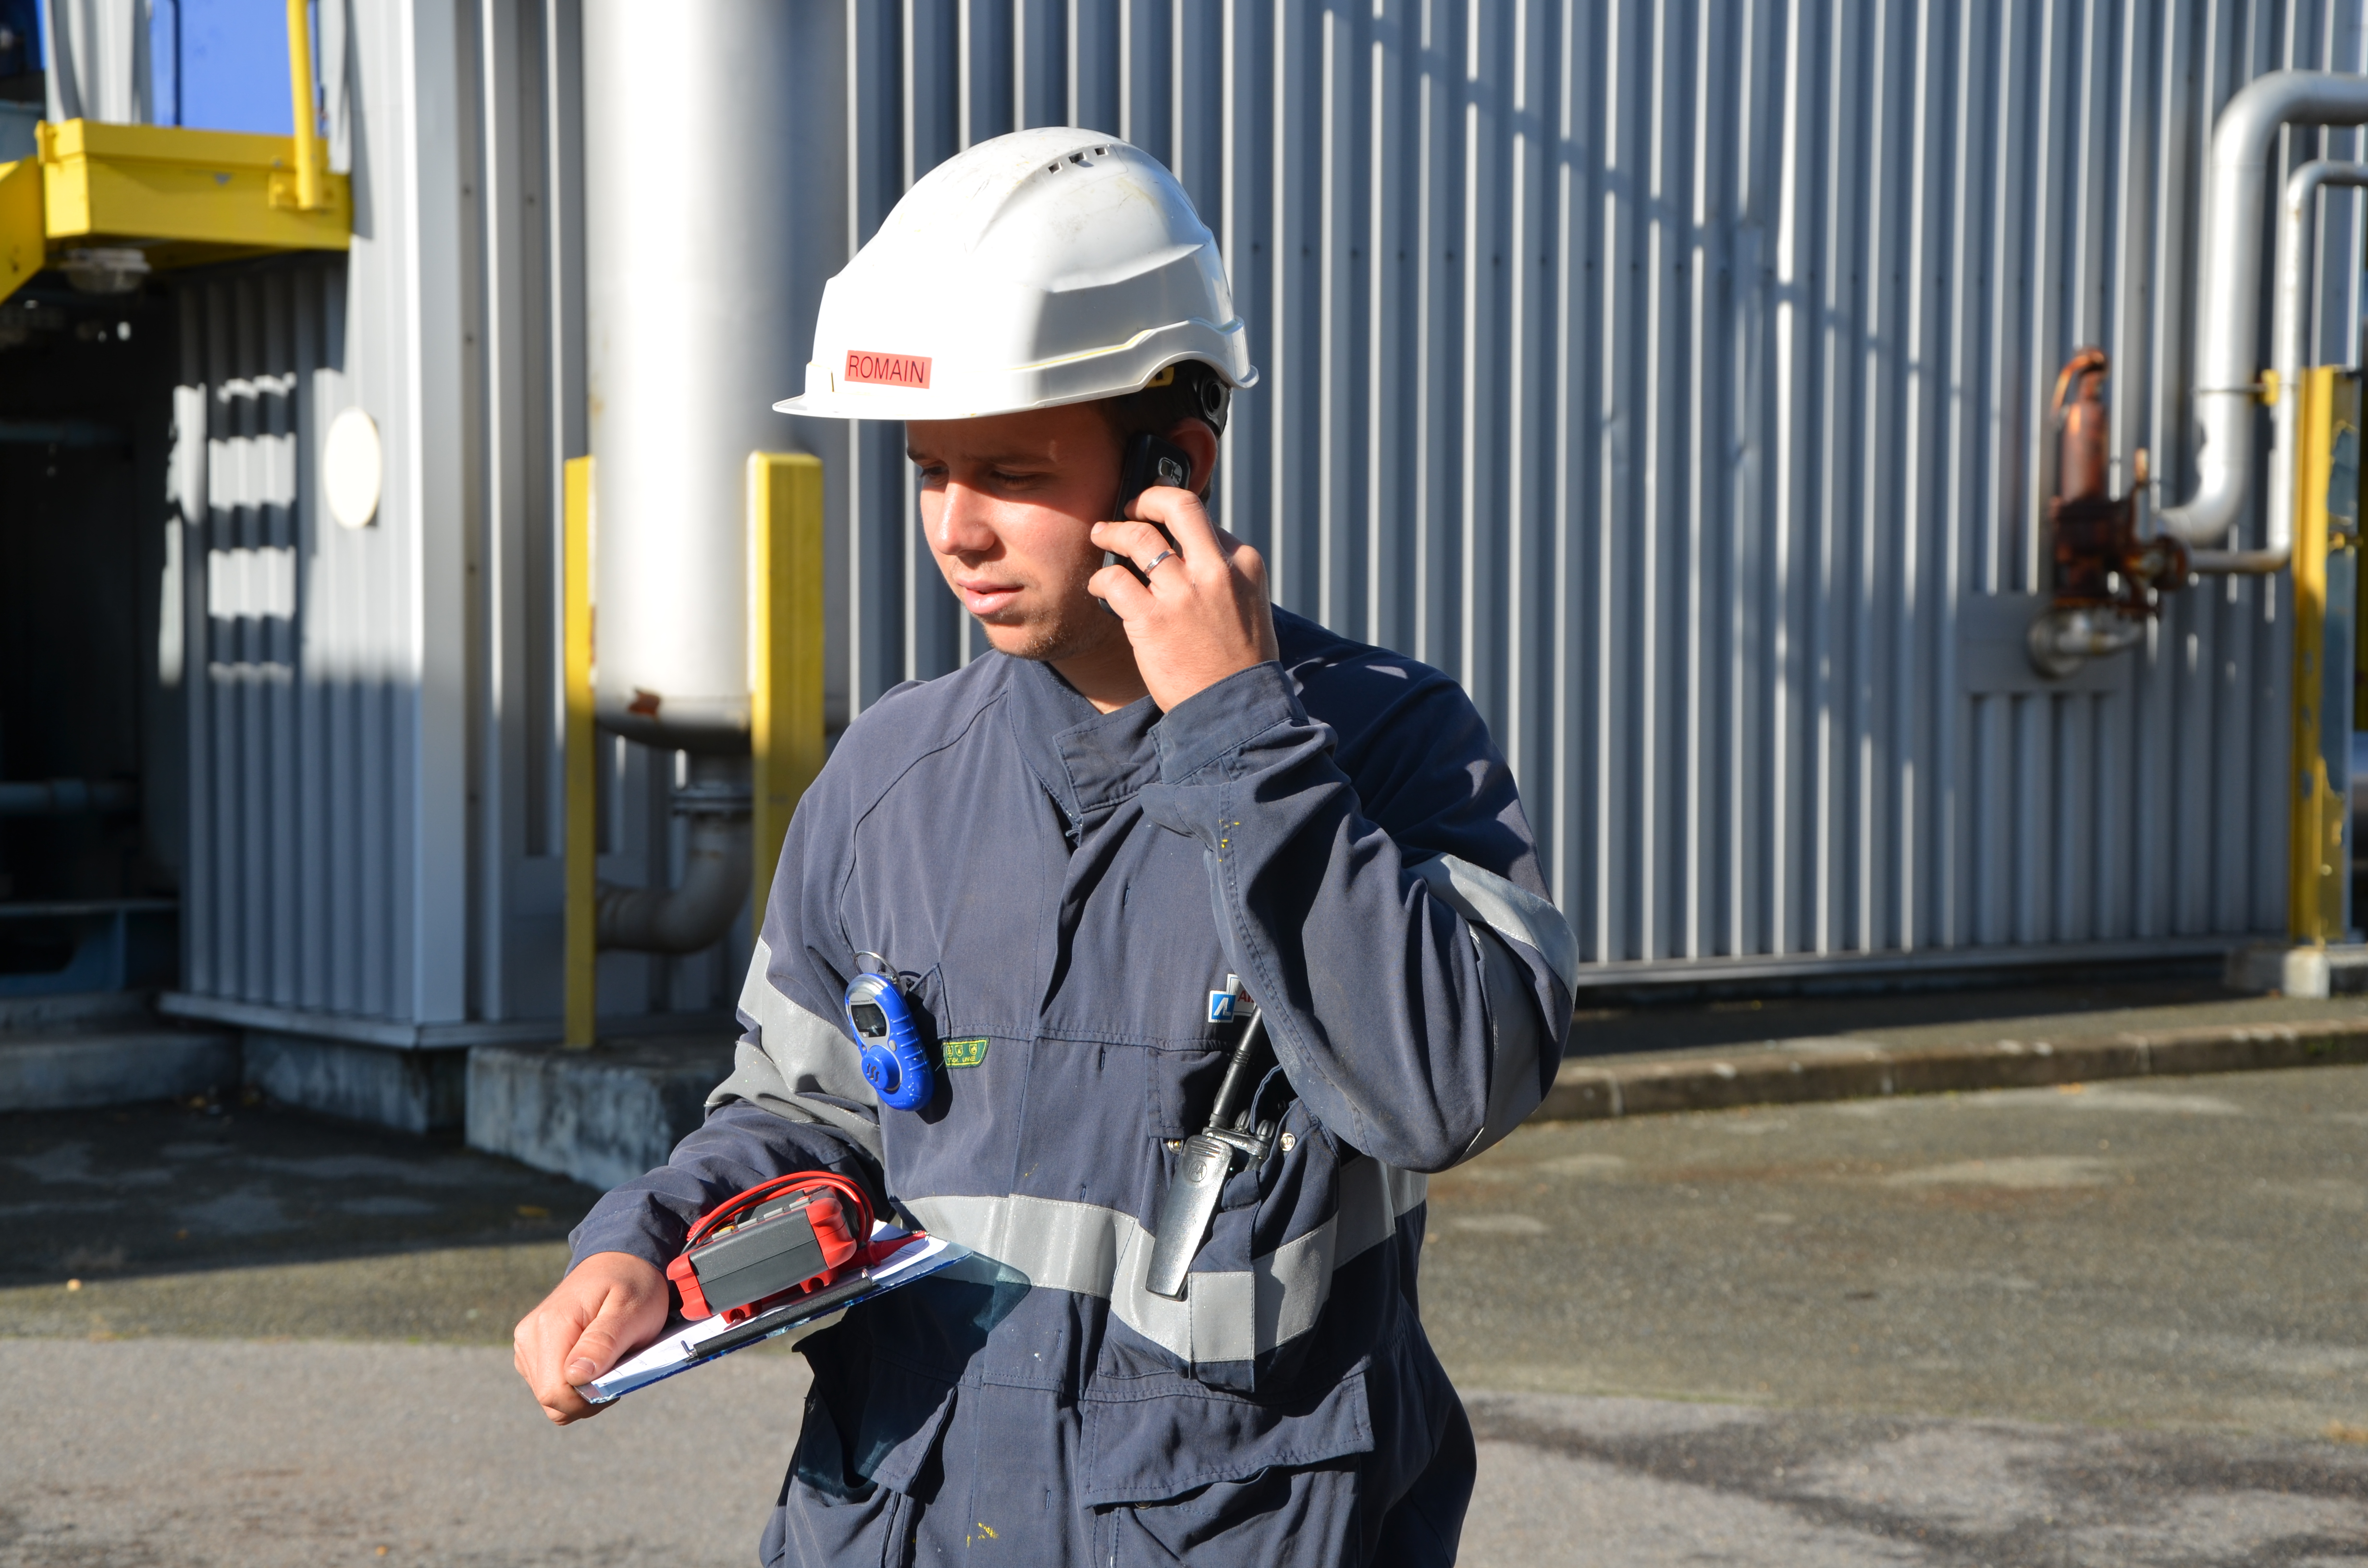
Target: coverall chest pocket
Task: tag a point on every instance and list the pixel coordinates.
(1259, 1280)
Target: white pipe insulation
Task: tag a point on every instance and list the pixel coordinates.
(696, 183)
(694, 168)
(2228, 294)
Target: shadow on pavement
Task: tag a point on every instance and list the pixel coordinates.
(217, 1219)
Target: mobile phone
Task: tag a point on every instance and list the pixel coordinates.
(1149, 462)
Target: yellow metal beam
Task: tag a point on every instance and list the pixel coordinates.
(2316, 863)
(185, 196)
(785, 649)
(22, 241)
(306, 119)
(580, 1023)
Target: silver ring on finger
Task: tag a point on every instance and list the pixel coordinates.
(1152, 564)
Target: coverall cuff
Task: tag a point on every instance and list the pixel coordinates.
(654, 1237)
(1224, 718)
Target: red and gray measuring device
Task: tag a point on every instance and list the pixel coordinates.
(1235, 1133)
(782, 1239)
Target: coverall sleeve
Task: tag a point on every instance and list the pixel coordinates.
(796, 1100)
(1382, 903)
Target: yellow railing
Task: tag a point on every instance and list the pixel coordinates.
(178, 196)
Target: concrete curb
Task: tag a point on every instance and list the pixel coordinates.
(1799, 1071)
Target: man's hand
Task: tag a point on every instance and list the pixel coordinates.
(1204, 615)
(610, 1305)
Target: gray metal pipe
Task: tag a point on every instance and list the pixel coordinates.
(2228, 288)
(2288, 327)
(696, 912)
(2240, 562)
(67, 798)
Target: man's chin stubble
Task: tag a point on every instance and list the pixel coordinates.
(1067, 636)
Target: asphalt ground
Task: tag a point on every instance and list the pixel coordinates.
(2120, 1324)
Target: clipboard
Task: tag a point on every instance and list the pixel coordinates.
(893, 1257)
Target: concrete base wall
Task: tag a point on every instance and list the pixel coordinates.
(70, 1071)
(603, 1116)
(410, 1090)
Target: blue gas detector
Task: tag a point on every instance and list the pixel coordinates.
(894, 1064)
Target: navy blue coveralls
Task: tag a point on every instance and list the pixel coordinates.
(1337, 830)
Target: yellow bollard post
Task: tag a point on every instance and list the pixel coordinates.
(785, 651)
(583, 843)
(307, 116)
(2325, 541)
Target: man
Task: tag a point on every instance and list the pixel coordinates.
(1156, 783)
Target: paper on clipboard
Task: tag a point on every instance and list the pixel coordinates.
(696, 1344)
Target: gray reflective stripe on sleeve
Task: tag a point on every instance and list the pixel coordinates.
(1493, 908)
(1228, 1315)
(1505, 907)
(805, 1063)
(1513, 1086)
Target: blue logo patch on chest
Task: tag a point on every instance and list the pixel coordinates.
(1221, 1007)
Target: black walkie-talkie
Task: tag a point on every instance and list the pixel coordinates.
(1149, 462)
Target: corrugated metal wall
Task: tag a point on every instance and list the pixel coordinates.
(375, 795)
(1674, 375)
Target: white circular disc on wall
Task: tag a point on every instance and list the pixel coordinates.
(353, 467)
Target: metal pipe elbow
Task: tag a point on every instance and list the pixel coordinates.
(2228, 290)
(2207, 516)
(695, 912)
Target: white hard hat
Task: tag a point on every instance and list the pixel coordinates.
(1047, 267)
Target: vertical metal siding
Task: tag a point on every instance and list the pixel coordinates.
(1674, 375)
(375, 794)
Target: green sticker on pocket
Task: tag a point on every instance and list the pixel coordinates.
(966, 1052)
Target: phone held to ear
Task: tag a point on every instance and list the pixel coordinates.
(1149, 462)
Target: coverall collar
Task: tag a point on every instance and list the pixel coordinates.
(1089, 762)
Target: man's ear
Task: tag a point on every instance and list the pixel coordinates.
(1199, 444)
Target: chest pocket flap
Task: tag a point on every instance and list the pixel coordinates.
(1152, 1448)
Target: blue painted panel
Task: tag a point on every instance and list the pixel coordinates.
(226, 61)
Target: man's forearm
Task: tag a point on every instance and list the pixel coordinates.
(737, 1146)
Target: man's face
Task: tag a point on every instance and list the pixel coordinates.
(1006, 502)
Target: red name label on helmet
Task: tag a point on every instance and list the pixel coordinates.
(888, 369)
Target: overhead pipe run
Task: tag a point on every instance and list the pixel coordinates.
(2228, 290)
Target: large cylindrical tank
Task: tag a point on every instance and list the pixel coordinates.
(690, 143)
